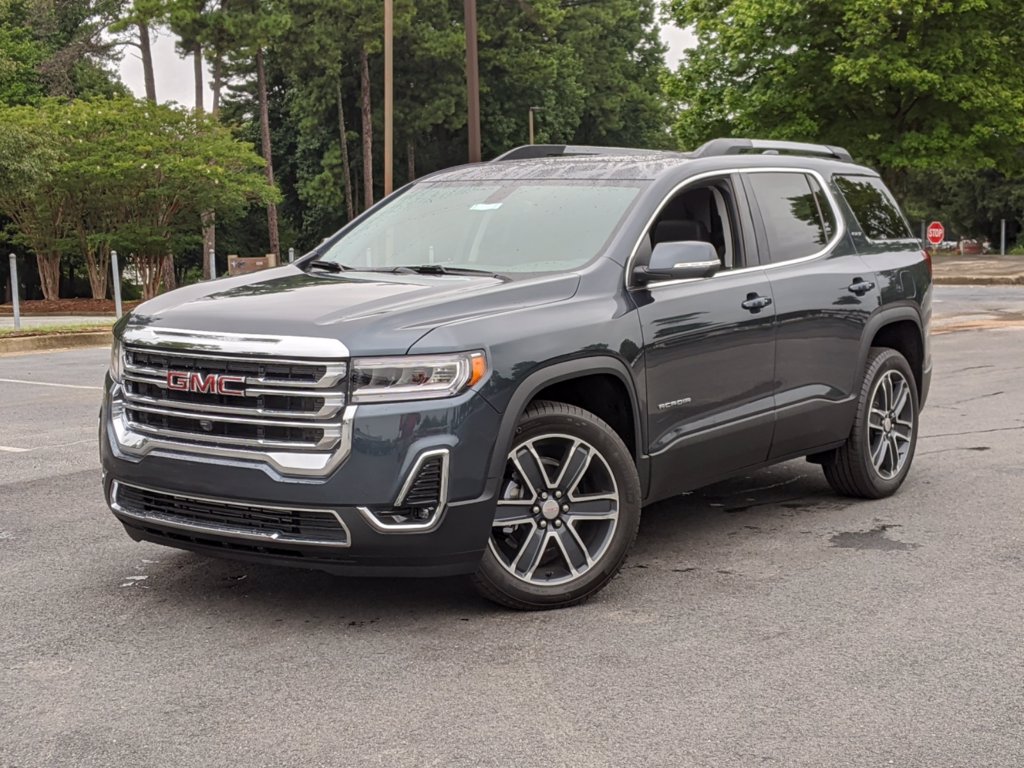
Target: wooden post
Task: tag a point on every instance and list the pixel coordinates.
(472, 82)
(389, 97)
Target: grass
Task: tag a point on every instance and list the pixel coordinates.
(49, 330)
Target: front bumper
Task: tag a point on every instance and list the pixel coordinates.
(388, 444)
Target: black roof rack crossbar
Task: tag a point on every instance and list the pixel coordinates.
(533, 151)
(717, 147)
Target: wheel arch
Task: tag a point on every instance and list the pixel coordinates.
(554, 381)
(901, 329)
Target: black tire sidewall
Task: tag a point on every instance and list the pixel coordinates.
(558, 418)
(886, 360)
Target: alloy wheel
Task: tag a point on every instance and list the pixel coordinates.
(890, 424)
(558, 510)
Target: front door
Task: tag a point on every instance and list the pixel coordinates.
(709, 347)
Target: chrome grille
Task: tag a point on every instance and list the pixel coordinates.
(281, 404)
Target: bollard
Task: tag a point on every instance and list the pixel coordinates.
(116, 273)
(14, 292)
(291, 255)
(213, 264)
(1002, 237)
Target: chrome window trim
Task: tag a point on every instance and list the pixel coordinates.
(429, 525)
(226, 530)
(252, 347)
(836, 238)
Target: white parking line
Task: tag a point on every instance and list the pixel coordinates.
(8, 449)
(48, 384)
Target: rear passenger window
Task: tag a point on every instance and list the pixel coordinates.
(877, 213)
(798, 219)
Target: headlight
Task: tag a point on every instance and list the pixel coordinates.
(116, 361)
(389, 379)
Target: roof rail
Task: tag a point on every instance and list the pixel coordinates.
(533, 151)
(717, 147)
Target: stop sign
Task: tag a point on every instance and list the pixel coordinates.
(936, 232)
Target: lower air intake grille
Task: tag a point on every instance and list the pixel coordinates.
(275, 524)
(425, 490)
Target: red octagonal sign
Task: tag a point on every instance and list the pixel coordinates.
(936, 232)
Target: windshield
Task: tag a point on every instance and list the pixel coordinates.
(506, 227)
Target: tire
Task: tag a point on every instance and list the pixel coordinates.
(567, 513)
(875, 460)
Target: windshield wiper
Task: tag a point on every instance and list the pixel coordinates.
(330, 266)
(441, 269)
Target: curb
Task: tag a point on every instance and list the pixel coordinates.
(54, 341)
(978, 279)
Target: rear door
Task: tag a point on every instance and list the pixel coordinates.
(708, 347)
(824, 293)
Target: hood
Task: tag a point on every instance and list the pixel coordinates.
(371, 313)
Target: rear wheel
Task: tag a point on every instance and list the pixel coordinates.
(567, 514)
(876, 458)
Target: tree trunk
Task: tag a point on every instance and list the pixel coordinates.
(367, 113)
(218, 86)
(410, 156)
(49, 274)
(261, 85)
(149, 268)
(147, 61)
(197, 68)
(97, 264)
(167, 276)
(343, 137)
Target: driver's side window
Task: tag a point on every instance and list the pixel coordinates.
(705, 212)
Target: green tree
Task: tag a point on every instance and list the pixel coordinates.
(89, 176)
(931, 85)
(56, 49)
(30, 193)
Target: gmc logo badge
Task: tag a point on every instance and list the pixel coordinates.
(210, 383)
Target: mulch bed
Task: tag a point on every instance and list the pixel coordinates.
(67, 307)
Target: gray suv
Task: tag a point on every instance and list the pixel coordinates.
(492, 371)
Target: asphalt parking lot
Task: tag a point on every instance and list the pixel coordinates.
(762, 621)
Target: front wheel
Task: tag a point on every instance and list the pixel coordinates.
(567, 513)
(876, 458)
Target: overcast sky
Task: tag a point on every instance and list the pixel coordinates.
(174, 74)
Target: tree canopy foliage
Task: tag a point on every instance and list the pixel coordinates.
(929, 85)
(86, 177)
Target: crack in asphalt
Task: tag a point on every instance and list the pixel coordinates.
(974, 432)
(957, 448)
(979, 397)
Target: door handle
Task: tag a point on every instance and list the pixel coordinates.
(860, 287)
(756, 303)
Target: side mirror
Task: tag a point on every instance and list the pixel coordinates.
(681, 260)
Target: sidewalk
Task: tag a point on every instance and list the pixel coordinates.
(35, 321)
(987, 269)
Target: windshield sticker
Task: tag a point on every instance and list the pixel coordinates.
(485, 206)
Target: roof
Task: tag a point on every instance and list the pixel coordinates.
(586, 163)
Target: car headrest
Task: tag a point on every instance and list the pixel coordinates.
(674, 230)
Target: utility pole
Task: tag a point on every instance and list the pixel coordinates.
(389, 96)
(532, 110)
(472, 82)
